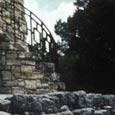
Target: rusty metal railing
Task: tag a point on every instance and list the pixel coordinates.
(22, 24)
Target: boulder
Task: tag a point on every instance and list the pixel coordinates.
(84, 111)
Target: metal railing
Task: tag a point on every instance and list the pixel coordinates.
(24, 25)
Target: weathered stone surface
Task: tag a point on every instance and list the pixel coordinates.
(68, 112)
(30, 84)
(27, 62)
(18, 90)
(45, 85)
(25, 76)
(27, 69)
(84, 111)
(37, 75)
(13, 62)
(11, 54)
(72, 100)
(6, 75)
(21, 83)
(109, 100)
(95, 100)
(102, 112)
(42, 91)
(5, 105)
(55, 76)
(38, 84)
(81, 98)
(26, 103)
(10, 83)
(51, 104)
(18, 65)
(16, 69)
(5, 90)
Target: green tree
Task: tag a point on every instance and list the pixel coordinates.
(89, 33)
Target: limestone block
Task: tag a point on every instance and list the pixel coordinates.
(25, 68)
(18, 90)
(21, 83)
(5, 90)
(37, 75)
(19, 75)
(26, 75)
(10, 83)
(27, 62)
(11, 54)
(6, 75)
(30, 84)
(13, 62)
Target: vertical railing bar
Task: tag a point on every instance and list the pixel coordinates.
(31, 28)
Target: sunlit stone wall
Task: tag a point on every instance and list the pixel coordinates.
(13, 26)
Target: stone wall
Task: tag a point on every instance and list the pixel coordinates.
(60, 103)
(20, 70)
(19, 74)
(13, 25)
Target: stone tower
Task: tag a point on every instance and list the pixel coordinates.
(19, 71)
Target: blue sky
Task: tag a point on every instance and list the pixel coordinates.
(51, 10)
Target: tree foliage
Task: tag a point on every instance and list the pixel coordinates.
(89, 36)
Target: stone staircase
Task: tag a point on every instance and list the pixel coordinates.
(22, 72)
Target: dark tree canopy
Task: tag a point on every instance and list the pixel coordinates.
(88, 36)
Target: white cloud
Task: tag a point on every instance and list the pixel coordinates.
(49, 17)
